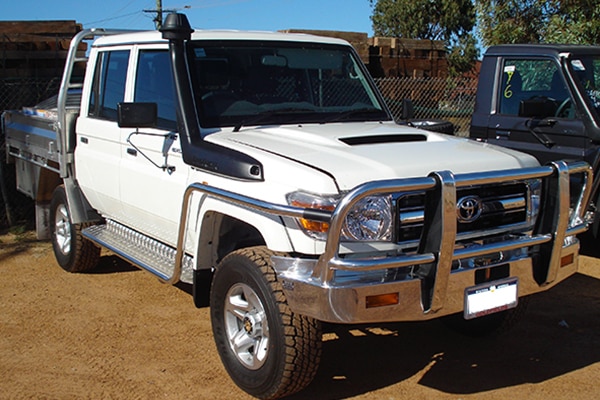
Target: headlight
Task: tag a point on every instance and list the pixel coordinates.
(369, 220)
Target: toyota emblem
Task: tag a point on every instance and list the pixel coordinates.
(468, 209)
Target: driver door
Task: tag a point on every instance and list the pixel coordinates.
(153, 176)
(559, 134)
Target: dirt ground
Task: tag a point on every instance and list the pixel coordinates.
(118, 333)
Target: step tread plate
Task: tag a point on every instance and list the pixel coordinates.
(141, 250)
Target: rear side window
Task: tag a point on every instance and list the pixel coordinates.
(154, 84)
(108, 88)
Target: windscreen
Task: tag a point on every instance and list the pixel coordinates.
(249, 83)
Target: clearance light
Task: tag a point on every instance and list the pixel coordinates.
(380, 300)
(313, 226)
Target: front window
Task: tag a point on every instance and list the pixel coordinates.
(534, 79)
(154, 84)
(256, 83)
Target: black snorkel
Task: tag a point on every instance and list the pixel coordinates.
(197, 152)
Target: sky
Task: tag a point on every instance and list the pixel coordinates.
(269, 15)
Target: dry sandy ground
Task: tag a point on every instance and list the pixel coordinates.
(118, 333)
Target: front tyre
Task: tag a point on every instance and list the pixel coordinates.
(72, 251)
(268, 350)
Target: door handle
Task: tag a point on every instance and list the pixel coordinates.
(131, 151)
(502, 135)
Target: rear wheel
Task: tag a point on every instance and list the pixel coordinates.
(72, 251)
(268, 350)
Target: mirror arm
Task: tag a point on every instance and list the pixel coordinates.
(165, 167)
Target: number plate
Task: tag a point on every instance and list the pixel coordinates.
(491, 297)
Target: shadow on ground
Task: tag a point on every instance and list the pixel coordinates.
(559, 334)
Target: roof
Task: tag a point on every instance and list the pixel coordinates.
(541, 49)
(156, 37)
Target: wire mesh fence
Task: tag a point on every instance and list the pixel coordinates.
(450, 99)
(433, 99)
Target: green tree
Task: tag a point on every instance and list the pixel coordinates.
(538, 21)
(451, 21)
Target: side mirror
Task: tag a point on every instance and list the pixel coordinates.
(408, 109)
(137, 115)
(537, 108)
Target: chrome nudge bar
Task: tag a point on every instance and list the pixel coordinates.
(436, 251)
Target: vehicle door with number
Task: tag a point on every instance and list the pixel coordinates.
(153, 175)
(556, 131)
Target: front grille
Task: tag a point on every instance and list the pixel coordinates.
(486, 209)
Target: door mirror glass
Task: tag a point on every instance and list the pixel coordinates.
(137, 115)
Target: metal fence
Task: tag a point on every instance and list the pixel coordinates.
(451, 99)
(433, 99)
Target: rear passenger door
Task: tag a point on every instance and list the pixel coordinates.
(153, 175)
(98, 149)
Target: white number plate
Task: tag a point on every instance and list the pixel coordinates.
(491, 297)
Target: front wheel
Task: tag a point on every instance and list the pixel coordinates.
(268, 350)
(72, 251)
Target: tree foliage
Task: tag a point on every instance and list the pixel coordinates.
(451, 21)
(538, 21)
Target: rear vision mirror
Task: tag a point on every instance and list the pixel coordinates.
(137, 115)
(274, 61)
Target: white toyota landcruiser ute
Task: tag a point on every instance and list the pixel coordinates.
(266, 170)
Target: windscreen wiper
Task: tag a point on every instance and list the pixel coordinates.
(256, 118)
(348, 113)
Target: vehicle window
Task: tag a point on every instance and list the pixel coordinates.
(239, 82)
(154, 84)
(108, 88)
(540, 80)
(587, 71)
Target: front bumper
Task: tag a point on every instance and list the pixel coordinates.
(349, 303)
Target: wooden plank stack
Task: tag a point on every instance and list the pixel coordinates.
(35, 49)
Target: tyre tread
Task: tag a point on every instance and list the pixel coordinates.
(302, 334)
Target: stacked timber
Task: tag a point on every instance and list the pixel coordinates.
(35, 49)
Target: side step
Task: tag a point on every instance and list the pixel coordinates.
(139, 249)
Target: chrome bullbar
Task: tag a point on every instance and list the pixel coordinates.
(310, 284)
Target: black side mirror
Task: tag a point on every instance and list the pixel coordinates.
(408, 109)
(137, 115)
(537, 108)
